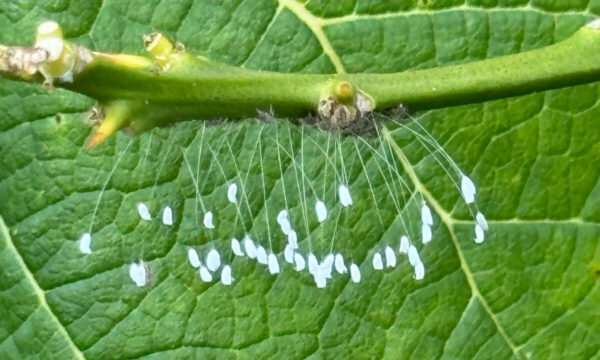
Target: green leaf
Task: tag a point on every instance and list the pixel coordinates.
(529, 291)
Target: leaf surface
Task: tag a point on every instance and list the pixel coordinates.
(529, 291)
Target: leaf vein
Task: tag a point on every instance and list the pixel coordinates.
(41, 295)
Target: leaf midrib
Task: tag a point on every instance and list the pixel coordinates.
(449, 222)
(465, 8)
(315, 24)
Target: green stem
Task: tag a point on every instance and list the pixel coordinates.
(570, 62)
(202, 88)
(173, 85)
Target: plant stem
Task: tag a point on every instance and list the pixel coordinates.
(570, 62)
(221, 90)
(202, 88)
(173, 85)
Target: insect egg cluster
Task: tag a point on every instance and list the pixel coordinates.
(215, 262)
